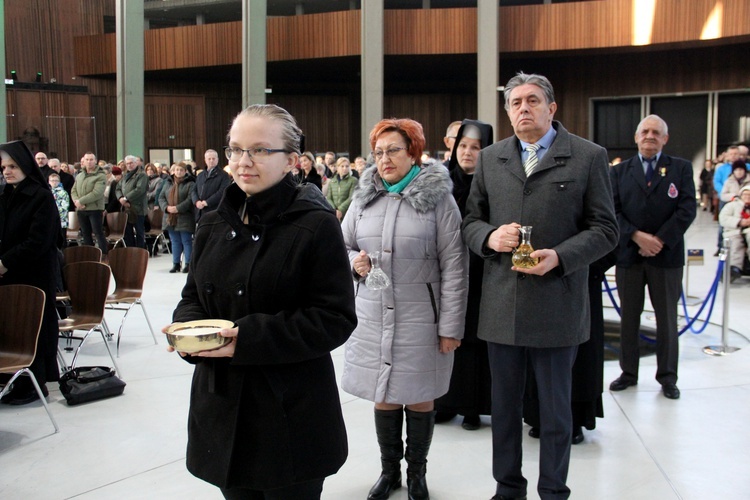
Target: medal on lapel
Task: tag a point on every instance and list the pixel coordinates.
(663, 172)
(672, 192)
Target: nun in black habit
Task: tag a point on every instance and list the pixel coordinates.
(29, 235)
(469, 391)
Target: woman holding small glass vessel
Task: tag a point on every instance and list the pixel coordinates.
(265, 418)
(410, 268)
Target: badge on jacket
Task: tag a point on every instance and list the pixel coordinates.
(672, 190)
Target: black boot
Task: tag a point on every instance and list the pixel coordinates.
(175, 268)
(388, 426)
(419, 426)
(186, 269)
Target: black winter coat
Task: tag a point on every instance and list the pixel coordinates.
(665, 209)
(270, 416)
(312, 178)
(209, 187)
(29, 230)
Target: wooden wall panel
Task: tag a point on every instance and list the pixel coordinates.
(434, 111)
(28, 111)
(181, 117)
(39, 35)
(104, 108)
(578, 79)
(430, 31)
(328, 122)
(605, 24)
(333, 34)
(523, 29)
(220, 111)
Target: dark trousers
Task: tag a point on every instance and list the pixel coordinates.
(309, 490)
(553, 369)
(664, 288)
(91, 220)
(139, 229)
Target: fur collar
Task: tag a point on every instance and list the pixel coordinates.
(423, 193)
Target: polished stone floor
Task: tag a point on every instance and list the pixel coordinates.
(646, 447)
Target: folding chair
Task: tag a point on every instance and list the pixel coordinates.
(71, 255)
(128, 266)
(88, 285)
(116, 223)
(155, 217)
(20, 321)
(73, 233)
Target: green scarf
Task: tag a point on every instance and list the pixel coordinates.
(400, 185)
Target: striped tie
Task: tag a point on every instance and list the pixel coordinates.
(532, 160)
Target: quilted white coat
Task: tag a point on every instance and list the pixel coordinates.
(393, 355)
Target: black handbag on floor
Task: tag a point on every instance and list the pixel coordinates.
(89, 383)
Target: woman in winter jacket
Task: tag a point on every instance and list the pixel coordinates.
(401, 354)
(738, 179)
(154, 185)
(341, 188)
(307, 172)
(176, 202)
(735, 219)
(265, 412)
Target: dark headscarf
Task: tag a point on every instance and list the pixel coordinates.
(462, 180)
(485, 130)
(23, 157)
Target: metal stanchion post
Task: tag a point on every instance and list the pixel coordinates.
(723, 349)
(691, 300)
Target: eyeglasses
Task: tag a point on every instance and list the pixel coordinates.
(255, 154)
(390, 153)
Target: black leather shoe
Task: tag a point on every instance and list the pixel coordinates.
(471, 422)
(734, 274)
(577, 434)
(534, 432)
(620, 384)
(503, 497)
(670, 391)
(24, 397)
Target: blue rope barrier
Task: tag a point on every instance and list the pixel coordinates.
(711, 295)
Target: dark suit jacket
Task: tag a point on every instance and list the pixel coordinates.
(665, 209)
(568, 201)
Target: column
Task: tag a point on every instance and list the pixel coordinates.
(488, 66)
(371, 68)
(253, 52)
(3, 101)
(130, 60)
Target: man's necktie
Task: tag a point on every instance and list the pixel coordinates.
(649, 168)
(532, 161)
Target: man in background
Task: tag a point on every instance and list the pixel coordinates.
(131, 192)
(41, 160)
(209, 186)
(449, 140)
(655, 203)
